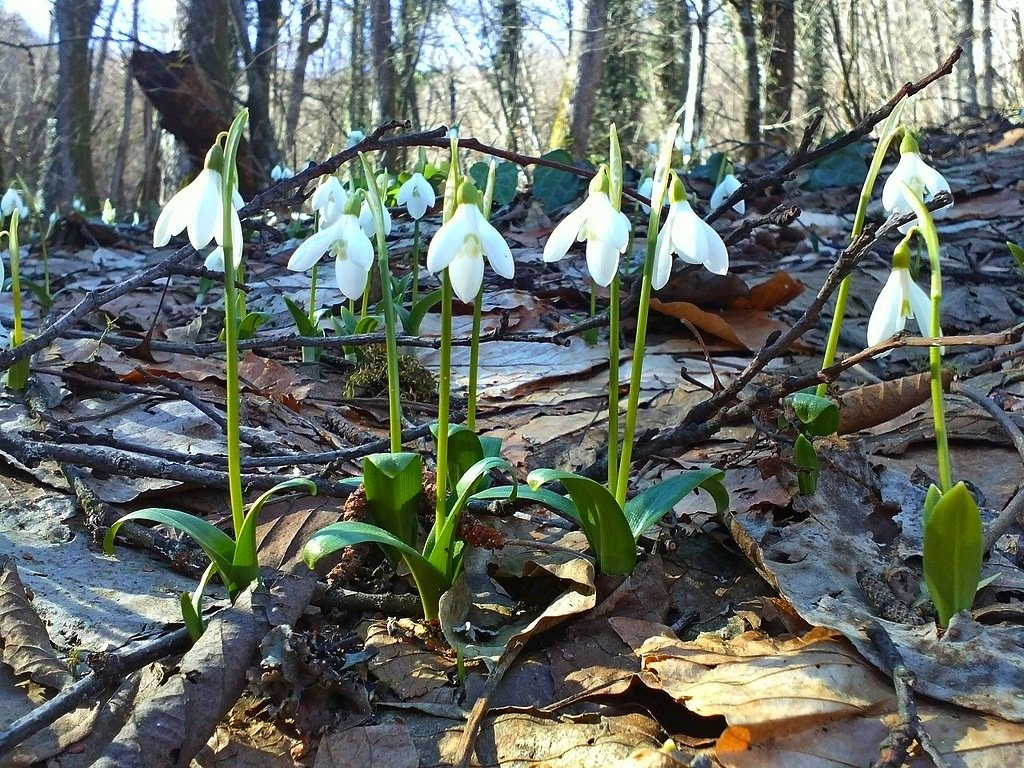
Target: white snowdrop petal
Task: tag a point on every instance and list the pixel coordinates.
(564, 235)
(498, 253)
(921, 306)
(351, 277)
(602, 261)
(312, 250)
(448, 240)
(886, 318)
(662, 260)
(467, 275)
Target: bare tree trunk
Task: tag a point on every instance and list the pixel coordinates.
(987, 72)
(206, 35)
(382, 43)
(1015, 15)
(259, 69)
(967, 78)
(850, 102)
(673, 46)
(71, 174)
(357, 103)
(814, 54)
(116, 193)
(505, 64)
(778, 23)
(588, 74)
(622, 91)
(100, 63)
(752, 111)
(313, 12)
(941, 87)
(414, 21)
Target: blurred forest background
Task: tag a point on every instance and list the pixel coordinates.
(90, 85)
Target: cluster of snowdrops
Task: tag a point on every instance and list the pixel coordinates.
(352, 225)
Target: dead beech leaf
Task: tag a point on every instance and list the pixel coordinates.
(405, 662)
(272, 379)
(874, 404)
(26, 646)
(747, 329)
(768, 687)
(777, 290)
(388, 745)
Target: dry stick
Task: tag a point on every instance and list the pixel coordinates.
(107, 669)
(1013, 512)
(894, 750)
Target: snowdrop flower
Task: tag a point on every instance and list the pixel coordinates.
(12, 201)
(900, 298)
(911, 170)
(605, 229)
(463, 241)
(688, 236)
(367, 223)
(79, 206)
(198, 209)
(646, 188)
(109, 214)
(352, 250)
(416, 195)
(329, 201)
(280, 172)
(726, 187)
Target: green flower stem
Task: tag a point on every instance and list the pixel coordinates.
(637, 368)
(474, 361)
(931, 239)
(309, 353)
(231, 327)
(613, 384)
(444, 389)
(17, 332)
(390, 324)
(415, 262)
(889, 132)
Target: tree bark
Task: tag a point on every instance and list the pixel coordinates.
(259, 70)
(116, 192)
(71, 173)
(622, 90)
(207, 39)
(814, 54)
(588, 74)
(752, 110)
(505, 63)
(779, 32)
(382, 43)
(1019, 27)
(967, 78)
(673, 46)
(987, 72)
(313, 12)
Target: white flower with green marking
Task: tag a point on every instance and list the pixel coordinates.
(688, 236)
(923, 180)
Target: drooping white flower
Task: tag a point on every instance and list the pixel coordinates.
(726, 187)
(197, 208)
(463, 241)
(416, 195)
(280, 172)
(329, 200)
(605, 229)
(366, 219)
(687, 235)
(899, 299)
(12, 201)
(923, 180)
(108, 215)
(352, 250)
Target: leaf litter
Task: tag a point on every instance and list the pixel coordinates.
(762, 666)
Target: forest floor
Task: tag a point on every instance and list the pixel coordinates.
(753, 637)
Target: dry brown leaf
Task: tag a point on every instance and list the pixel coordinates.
(24, 643)
(388, 745)
(777, 290)
(873, 404)
(747, 329)
(405, 663)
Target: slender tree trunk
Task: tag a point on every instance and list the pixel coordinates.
(357, 103)
(414, 22)
(987, 72)
(673, 47)
(588, 74)
(814, 55)
(622, 90)
(779, 32)
(313, 12)
(258, 74)
(752, 111)
(1019, 27)
(116, 193)
(505, 64)
(703, 24)
(941, 87)
(382, 43)
(71, 173)
(967, 77)
(206, 35)
(100, 62)
(850, 102)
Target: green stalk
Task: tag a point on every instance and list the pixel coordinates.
(613, 384)
(889, 131)
(444, 389)
(931, 239)
(17, 333)
(390, 324)
(309, 353)
(474, 344)
(415, 262)
(231, 325)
